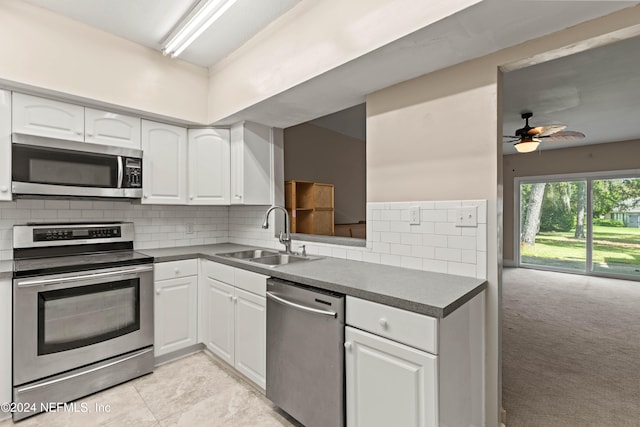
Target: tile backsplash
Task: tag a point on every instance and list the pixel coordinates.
(157, 226)
(436, 244)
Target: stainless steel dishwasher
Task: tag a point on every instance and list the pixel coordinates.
(305, 353)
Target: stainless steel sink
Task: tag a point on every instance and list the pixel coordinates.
(268, 258)
(253, 253)
(281, 259)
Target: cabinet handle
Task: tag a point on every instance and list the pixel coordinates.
(4, 188)
(235, 299)
(383, 323)
(191, 197)
(177, 271)
(90, 134)
(79, 132)
(158, 291)
(230, 297)
(146, 196)
(347, 345)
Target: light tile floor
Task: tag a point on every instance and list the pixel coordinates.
(197, 390)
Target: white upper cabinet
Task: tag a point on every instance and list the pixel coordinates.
(251, 164)
(44, 117)
(208, 153)
(103, 127)
(164, 175)
(5, 147)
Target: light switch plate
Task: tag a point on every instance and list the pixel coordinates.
(467, 217)
(414, 215)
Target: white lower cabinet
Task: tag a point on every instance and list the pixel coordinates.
(233, 317)
(5, 344)
(176, 306)
(388, 383)
(411, 370)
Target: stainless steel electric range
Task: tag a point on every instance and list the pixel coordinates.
(82, 311)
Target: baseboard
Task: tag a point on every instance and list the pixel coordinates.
(508, 263)
(179, 354)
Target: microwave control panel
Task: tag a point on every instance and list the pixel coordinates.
(132, 173)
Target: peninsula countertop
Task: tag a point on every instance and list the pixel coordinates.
(423, 292)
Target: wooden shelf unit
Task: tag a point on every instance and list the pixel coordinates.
(310, 205)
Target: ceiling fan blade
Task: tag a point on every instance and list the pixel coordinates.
(547, 130)
(563, 136)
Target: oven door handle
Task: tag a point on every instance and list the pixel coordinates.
(39, 282)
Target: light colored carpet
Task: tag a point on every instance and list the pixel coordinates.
(571, 350)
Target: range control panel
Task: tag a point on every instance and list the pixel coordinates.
(76, 233)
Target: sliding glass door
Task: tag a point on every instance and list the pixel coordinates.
(584, 224)
(615, 226)
(552, 225)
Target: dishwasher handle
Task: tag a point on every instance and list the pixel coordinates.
(281, 300)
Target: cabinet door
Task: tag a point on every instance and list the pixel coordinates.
(5, 149)
(5, 344)
(251, 160)
(164, 175)
(102, 127)
(208, 153)
(250, 335)
(237, 165)
(175, 314)
(44, 117)
(388, 383)
(219, 319)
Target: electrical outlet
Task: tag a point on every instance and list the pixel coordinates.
(189, 228)
(414, 215)
(467, 217)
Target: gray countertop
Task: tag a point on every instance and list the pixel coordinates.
(433, 294)
(6, 269)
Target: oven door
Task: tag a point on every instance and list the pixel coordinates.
(64, 321)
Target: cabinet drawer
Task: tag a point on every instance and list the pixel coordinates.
(220, 272)
(251, 282)
(173, 269)
(409, 328)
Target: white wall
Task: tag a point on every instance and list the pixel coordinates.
(49, 52)
(156, 226)
(314, 153)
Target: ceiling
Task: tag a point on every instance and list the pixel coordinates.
(149, 22)
(592, 92)
(596, 92)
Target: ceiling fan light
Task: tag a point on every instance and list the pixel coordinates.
(527, 145)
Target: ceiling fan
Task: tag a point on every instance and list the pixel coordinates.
(529, 138)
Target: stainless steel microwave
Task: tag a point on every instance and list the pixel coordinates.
(55, 167)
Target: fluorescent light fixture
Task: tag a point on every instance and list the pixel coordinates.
(527, 145)
(190, 28)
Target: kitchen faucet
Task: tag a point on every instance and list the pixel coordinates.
(285, 236)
